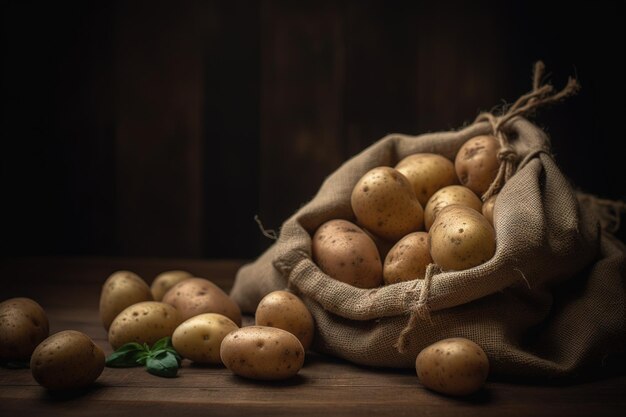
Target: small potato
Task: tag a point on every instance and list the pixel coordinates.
(345, 252)
(120, 290)
(199, 338)
(23, 325)
(67, 360)
(144, 322)
(452, 194)
(408, 259)
(166, 280)
(461, 238)
(488, 208)
(476, 163)
(427, 173)
(265, 353)
(194, 296)
(285, 310)
(384, 202)
(455, 366)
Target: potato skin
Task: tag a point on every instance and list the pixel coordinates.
(194, 296)
(67, 360)
(454, 366)
(144, 322)
(384, 202)
(427, 173)
(487, 209)
(345, 252)
(408, 259)
(461, 238)
(264, 353)
(476, 163)
(199, 337)
(120, 290)
(452, 194)
(166, 280)
(23, 325)
(285, 310)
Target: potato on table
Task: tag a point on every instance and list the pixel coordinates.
(120, 290)
(166, 280)
(199, 338)
(23, 325)
(144, 322)
(285, 310)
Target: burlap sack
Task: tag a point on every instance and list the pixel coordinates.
(551, 301)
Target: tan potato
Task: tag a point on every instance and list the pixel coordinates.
(23, 325)
(166, 280)
(120, 290)
(488, 208)
(345, 252)
(265, 353)
(476, 163)
(452, 194)
(461, 238)
(144, 322)
(427, 173)
(194, 296)
(384, 202)
(200, 337)
(454, 366)
(408, 259)
(67, 360)
(285, 310)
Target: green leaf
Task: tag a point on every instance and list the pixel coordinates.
(163, 343)
(163, 364)
(126, 356)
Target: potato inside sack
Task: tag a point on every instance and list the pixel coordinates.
(427, 173)
(452, 194)
(408, 259)
(342, 250)
(477, 164)
(487, 209)
(385, 203)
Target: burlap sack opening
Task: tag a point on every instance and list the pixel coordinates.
(551, 302)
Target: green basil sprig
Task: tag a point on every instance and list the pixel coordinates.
(161, 360)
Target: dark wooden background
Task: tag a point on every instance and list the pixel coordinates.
(161, 128)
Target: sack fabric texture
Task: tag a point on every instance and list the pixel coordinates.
(550, 303)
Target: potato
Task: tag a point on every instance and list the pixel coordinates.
(427, 173)
(487, 209)
(265, 353)
(166, 280)
(452, 194)
(383, 246)
(23, 325)
(285, 310)
(144, 322)
(345, 252)
(408, 259)
(199, 338)
(476, 163)
(384, 202)
(454, 366)
(67, 360)
(120, 290)
(461, 238)
(194, 296)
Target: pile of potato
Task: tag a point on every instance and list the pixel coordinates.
(427, 209)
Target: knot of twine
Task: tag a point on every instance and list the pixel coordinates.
(540, 95)
(418, 308)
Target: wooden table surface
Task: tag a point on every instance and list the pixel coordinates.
(68, 289)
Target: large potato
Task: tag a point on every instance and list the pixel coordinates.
(285, 310)
(408, 259)
(427, 173)
(265, 353)
(345, 252)
(461, 238)
(200, 337)
(477, 164)
(194, 296)
(144, 322)
(452, 194)
(23, 325)
(120, 290)
(67, 360)
(455, 366)
(384, 202)
(166, 280)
